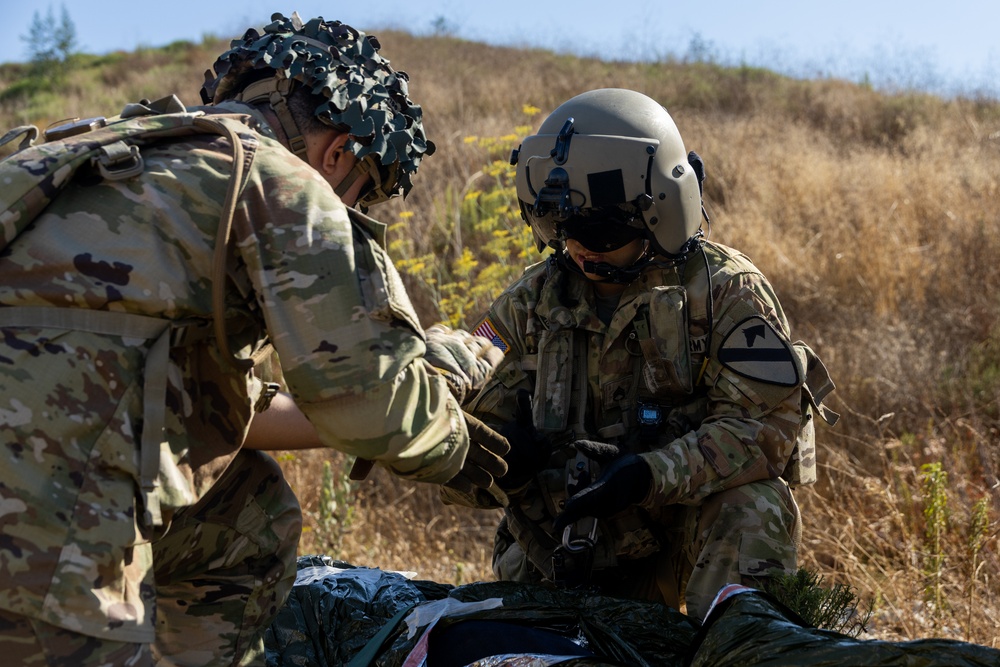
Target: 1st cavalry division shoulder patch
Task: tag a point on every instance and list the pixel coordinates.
(754, 349)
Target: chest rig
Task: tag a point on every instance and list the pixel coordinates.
(618, 382)
(637, 383)
(628, 383)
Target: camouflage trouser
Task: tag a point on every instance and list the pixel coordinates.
(27, 642)
(226, 566)
(222, 571)
(736, 536)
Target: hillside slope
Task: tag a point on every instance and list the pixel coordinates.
(874, 216)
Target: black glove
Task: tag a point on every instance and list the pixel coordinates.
(529, 450)
(622, 484)
(484, 461)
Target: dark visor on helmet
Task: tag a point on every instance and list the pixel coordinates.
(600, 234)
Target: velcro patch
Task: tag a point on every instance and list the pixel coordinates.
(755, 350)
(489, 332)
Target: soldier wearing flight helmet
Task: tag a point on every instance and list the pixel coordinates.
(657, 411)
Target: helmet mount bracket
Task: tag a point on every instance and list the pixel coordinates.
(561, 152)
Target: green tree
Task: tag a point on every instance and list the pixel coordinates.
(51, 43)
(442, 27)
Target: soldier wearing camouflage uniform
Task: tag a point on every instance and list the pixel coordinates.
(116, 552)
(657, 412)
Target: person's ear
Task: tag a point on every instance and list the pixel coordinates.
(334, 156)
(329, 155)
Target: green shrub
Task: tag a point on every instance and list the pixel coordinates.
(830, 608)
(935, 494)
(485, 249)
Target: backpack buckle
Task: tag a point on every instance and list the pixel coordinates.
(269, 391)
(119, 161)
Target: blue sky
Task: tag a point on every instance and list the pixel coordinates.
(944, 47)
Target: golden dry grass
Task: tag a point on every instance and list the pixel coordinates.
(874, 216)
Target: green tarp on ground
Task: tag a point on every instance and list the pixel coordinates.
(339, 614)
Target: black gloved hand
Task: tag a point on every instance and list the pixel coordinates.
(529, 450)
(622, 484)
(484, 461)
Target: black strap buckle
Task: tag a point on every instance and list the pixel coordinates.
(573, 559)
(266, 395)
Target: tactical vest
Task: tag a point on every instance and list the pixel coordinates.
(670, 342)
(110, 149)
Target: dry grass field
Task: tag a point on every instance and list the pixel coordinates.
(876, 217)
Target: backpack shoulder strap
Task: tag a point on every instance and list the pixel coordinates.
(223, 233)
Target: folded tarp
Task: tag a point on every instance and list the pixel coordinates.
(336, 612)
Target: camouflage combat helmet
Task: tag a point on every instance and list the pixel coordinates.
(364, 96)
(613, 157)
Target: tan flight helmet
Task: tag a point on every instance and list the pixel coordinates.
(608, 150)
(363, 95)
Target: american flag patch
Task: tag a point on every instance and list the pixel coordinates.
(487, 331)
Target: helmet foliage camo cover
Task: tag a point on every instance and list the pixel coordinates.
(363, 95)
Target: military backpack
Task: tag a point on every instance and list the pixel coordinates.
(110, 149)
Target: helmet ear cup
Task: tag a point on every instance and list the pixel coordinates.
(676, 212)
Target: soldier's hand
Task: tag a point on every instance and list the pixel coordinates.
(465, 361)
(626, 482)
(484, 461)
(529, 450)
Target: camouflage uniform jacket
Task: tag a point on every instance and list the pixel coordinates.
(302, 274)
(724, 424)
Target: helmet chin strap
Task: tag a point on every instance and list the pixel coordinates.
(360, 168)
